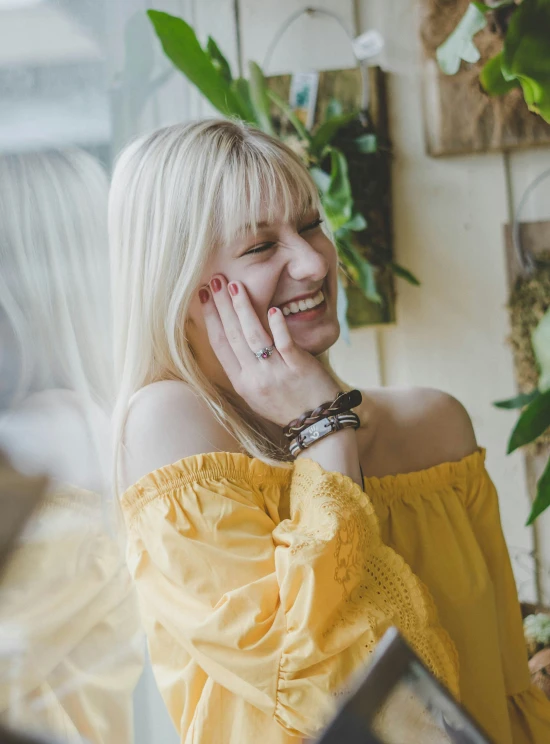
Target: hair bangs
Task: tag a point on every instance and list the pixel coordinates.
(262, 185)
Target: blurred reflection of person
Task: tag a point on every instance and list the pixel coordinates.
(70, 645)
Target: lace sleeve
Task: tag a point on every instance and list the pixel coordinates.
(341, 588)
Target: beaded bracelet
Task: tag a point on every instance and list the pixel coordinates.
(321, 429)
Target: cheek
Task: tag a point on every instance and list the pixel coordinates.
(261, 285)
(327, 248)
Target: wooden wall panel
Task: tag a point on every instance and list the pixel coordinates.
(458, 117)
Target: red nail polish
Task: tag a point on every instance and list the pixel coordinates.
(272, 311)
(203, 295)
(233, 288)
(216, 284)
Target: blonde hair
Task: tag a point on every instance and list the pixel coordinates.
(54, 288)
(176, 194)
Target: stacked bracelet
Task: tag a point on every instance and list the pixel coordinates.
(321, 429)
(341, 404)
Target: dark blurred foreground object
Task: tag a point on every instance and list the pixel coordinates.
(15, 737)
(399, 701)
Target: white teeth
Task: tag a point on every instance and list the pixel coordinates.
(301, 305)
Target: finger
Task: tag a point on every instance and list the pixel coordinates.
(230, 321)
(281, 335)
(255, 334)
(217, 336)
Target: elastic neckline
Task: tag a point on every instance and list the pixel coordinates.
(444, 474)
(251, 469)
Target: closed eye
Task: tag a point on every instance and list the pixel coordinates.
(266, 246)
(312, 226)
(260, 248)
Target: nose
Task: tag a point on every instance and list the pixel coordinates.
(305, 262)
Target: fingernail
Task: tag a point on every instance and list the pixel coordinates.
(233, 288)
(203, 295)
(216, 284)
(272, 310)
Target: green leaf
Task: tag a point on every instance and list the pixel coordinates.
(459, 45)
(260, 100)
(520, 401)
(493, 81)
(241, 90)
(290, 115)
(533, 422)
(366, 143)
(405, 274)
(334, 108)
(526, 55)
(338, 201)
(542, 499)
(540, 339)
(357, 223)
(321, 178)
(484, 8)
(326, 131)
(220, 62)
(361, 269)
(342, 310)
(181, 46)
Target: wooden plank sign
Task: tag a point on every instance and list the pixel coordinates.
(459, 118)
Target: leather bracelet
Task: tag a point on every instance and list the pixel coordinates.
(321, 429)
(343, 402)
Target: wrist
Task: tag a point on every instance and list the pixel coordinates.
(337, 453)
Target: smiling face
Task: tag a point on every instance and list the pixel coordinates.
(283, 263)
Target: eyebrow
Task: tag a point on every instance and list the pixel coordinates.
(259, 225)
(263, 224)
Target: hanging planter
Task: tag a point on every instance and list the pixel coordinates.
(529, 301)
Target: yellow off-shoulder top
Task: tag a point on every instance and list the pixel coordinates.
(263, 588)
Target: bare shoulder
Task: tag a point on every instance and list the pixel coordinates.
(166, 422)
(444, 417)
(424, 426)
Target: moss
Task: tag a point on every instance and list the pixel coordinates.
(529, 301)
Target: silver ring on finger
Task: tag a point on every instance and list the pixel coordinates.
(264, 353)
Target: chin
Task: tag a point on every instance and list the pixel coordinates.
(319, 340)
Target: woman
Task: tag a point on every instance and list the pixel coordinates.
(266, 580)
(69, 625)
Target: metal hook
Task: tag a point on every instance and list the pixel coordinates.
(309, 10)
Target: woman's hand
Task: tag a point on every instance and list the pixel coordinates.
(279, 388)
